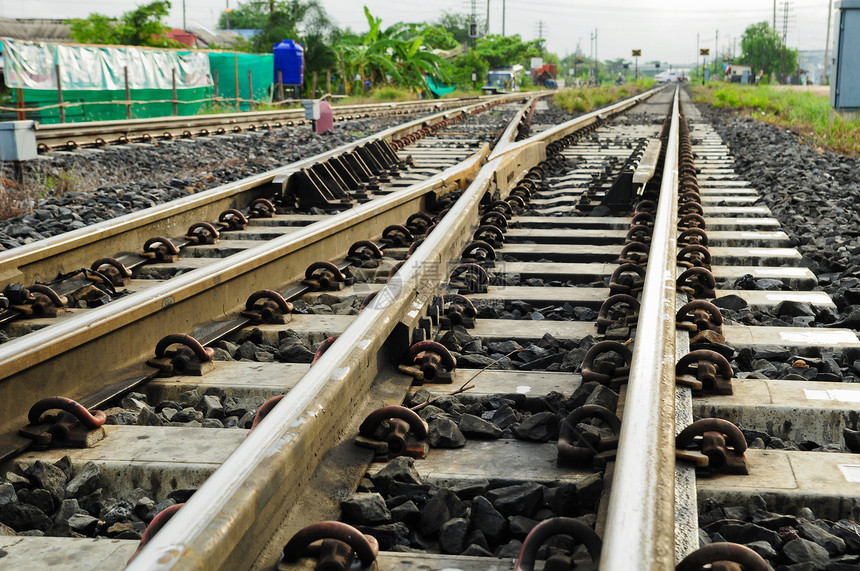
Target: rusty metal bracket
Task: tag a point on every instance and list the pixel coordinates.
(261, 208)
(113, 270)
(703, 320)
(363, 251)
(470, 278)
(607, 373)
(576, 446)
(705, 371)
(479, 252)
(431, 362)
(458, 311)
(629, 285)
(494, 218)
(340, 543)
(692, 220)
(713, 436)
(272, 309)
(264, 410)
(36, 300)
(202, 233)
(191, 358)
(695, 256)
(406, 436)
(325, 276)
(232, 219)
(723, 556)
(640, 253)
(579, 531)
(419, 222)
(610, 315)
(74, 426)
(490, 234)
(397, 236)
(160, 249)
(698, 283)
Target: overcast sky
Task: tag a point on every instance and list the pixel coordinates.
(662, 29)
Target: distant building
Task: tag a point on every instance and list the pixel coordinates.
(35, 29)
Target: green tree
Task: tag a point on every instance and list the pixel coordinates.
(457, 25)
(762, 49)
(246, 16)
(464, 65)
(143, 26)
(504, 51)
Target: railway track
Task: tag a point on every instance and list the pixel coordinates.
(569, 314)
(69, 136)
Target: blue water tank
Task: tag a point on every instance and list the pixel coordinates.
(290, 61)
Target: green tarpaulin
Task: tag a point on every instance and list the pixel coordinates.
(94, 76)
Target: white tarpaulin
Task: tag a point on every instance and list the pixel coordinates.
(32, 65)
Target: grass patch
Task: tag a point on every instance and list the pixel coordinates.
(804, 112)
(586, 99)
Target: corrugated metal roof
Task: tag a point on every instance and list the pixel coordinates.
(36, 30)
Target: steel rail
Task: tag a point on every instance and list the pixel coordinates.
(226, 523)
(641, 515)
(44, 259)
(88, 134)
(73, 356)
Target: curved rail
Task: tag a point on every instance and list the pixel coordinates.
(99, 133)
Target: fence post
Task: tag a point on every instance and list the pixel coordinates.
(22, 114)
(236, 73)
(280, 86)
(314, 87)
(127, 94)
(215, 81)
(175, 111)
(250, 91)
(328, 81)
(60, 94)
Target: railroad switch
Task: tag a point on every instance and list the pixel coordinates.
(72, 427)
(394, 431)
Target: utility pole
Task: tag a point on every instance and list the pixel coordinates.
(774, 15)
(825, 78)
(227, 14)
(716, 50)
(487, 22)
(184, 27)
(540, 38)
(503, 17)
(697, 52)
(596, 62)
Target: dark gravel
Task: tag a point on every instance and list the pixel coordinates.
(60, 501)
(123, 179)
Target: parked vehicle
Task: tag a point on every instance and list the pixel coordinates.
(670, 76)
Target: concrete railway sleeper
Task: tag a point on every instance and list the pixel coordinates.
(503, 385)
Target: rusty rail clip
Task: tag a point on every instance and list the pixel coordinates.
(202, 233)
(113, 270)
(191, 358)
(712, 436)
(38, 299)
(325, 276)
(703, 320)
(723, 556)
(340, 544)
(711, 374)
(406, 436)
(74, 426)
(272, 309)
(577, 446)
(607, 373)
(160, 249)
(470, 278)
(548, 528)
(611, 316)
(429, 361)
(458, 311)
(698, 283)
